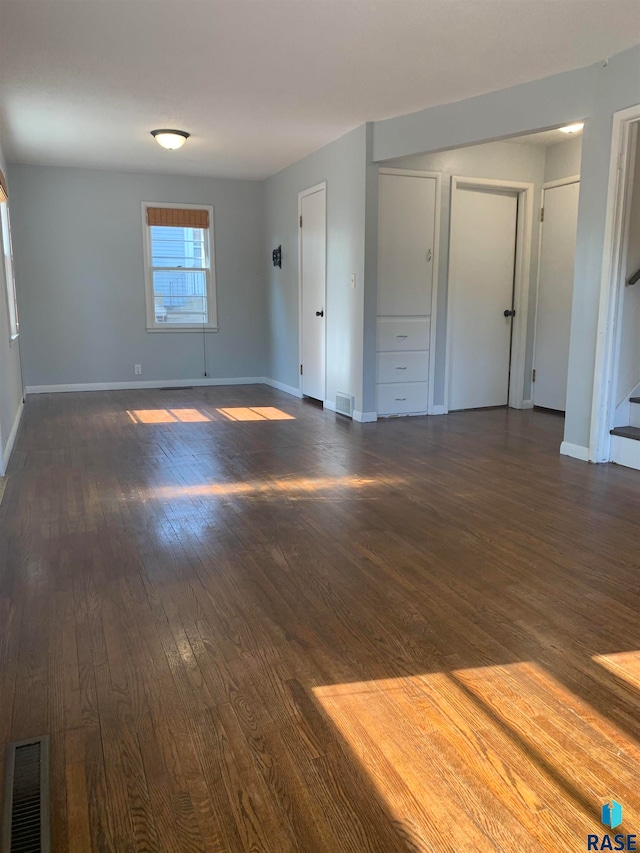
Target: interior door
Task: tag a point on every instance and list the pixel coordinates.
(313, 265)
(407, 206)
(481, 280)
(555, 293)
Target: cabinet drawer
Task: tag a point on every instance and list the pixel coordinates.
(401, 398)
(412, 366)
(396, 334)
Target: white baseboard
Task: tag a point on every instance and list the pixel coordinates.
(365, 417)
(438, 410)
(6, 455)
(625, 451)
(527, 404)
(146, 383)
(281, 386)
(330, 406)
(577, 451)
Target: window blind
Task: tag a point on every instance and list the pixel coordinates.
(4, 194)
(178, 217)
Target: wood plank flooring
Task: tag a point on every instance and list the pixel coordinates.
(250, 625)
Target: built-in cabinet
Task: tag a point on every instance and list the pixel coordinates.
(407, 278)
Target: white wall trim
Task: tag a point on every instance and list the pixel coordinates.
(622, 412)
(576, 451)
(435, 283)
(281, 386)
(438, 409)
(329, 405)
(527, 404)
(524, 232)
(147, 383)
(365, 417)
(611, 285)
(625, 451)
(12, 439)
(159, 383)
(561, 182)
(411, 173)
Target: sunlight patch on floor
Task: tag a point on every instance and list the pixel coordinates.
(494, 738)
(167, 416)
(625, 665)
(275, 486)
(255, 413)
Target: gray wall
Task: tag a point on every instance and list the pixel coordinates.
(592, 93)
(629, 364)
(505, 161)
(563, 159)
(10, 376)
(342, 164)
(79, 263)
(80, 281)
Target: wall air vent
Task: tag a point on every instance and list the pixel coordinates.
(344, 404)
(26, 797)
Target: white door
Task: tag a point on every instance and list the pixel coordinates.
(406, 219)
(555, 292)
(481, 279)
(313, 265)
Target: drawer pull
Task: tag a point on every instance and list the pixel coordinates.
(400, 399)
(401, 368)
(402, 337)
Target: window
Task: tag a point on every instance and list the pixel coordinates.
(12, 302)
(180, 278)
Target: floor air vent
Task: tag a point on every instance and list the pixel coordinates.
(26, 797)
(344, 404)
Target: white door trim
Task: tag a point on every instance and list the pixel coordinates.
(548, 185)
(437, 176)
(612, 283)
(561, 182)
(521, 284)
(321, 187)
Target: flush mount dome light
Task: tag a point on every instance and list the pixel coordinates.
(170, 139)
(573, 128)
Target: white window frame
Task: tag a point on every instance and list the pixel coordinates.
(9, 275)
(210, 274)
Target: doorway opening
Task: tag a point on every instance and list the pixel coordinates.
(615, 419)
(502, 299)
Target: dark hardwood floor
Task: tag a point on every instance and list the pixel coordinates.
(250, 625)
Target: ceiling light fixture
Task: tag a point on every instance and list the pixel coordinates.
(573, 128)
(170, 139)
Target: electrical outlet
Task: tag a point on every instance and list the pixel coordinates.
(137, 368)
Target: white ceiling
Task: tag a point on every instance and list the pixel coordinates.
(261, 83)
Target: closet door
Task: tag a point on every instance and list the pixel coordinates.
(555, 294)
(405, 245)
(481, 282)
(407, 223)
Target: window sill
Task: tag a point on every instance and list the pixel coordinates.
(176, 328)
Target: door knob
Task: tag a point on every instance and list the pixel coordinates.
(319, 313)
(508, 313)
